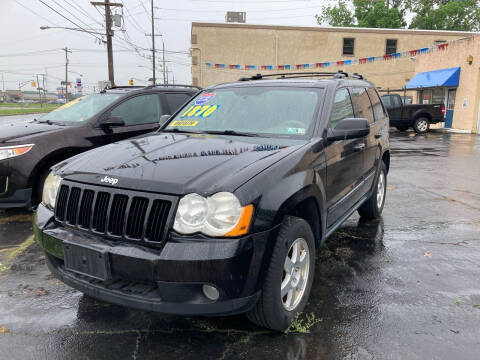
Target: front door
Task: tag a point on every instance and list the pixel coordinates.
(450, 106)
(141, 115)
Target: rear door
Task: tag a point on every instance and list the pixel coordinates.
(344, 162)
(363, 109)
(378, 128)
(141, 114)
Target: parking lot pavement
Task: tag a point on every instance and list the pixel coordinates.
(405, 286)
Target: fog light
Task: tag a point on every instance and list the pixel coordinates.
(210, 292)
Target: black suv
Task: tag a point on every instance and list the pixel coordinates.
(221, 211)
(28, 150)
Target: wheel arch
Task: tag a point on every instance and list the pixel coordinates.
(47, 162)
(306, 203)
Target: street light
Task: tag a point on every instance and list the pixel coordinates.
(73, 29)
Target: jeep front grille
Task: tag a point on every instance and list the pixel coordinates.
(115, 213)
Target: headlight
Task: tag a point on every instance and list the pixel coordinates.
(50, 190)
(219, 215)
(8, 152)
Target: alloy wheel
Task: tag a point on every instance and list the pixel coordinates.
(295, 274)
(380, 189)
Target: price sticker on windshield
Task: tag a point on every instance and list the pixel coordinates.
(204, 98)
(199, 111)
(184, 123)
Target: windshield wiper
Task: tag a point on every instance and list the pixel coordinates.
(229, 132)
(49, 122)
(177, 130)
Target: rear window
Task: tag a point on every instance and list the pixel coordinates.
(176, 100)
(377, 105)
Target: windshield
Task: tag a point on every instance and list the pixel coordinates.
(80, 109)
(254, 110)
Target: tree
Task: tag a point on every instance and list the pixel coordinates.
(460, 15)
(338, 15)
(366, 13)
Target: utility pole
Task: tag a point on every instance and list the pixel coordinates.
(164, 70)
(154, 81)
(108, 24)
(39, 94)
(66, 74)
(4, 97)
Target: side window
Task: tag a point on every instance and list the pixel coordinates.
(386, 100)
(342, 107)
(176, 100)
(362, 105)
(377, 105)
(348, 46)
(142, 109)
(391, 46)
(396, 100)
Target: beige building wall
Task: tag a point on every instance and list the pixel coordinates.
(468, 91)
(278, 45)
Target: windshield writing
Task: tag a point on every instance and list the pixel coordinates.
(259, 110)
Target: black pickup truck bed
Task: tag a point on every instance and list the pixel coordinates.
(418, 116)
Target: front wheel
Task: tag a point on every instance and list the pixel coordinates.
(289, 277)
(373, 207)
(421, 125)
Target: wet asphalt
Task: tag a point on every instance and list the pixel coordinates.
(405, 286)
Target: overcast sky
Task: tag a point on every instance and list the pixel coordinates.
(25, 50)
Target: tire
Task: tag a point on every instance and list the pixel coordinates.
(402, 128)
(421, 125)
(373, 207)
(272, 311)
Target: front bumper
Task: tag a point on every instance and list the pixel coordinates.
(167, 280)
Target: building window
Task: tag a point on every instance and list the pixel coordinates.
(438, 42)
(391, 46)
(348, 46)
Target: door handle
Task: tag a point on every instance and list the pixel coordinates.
(378, 136)
(359, 147)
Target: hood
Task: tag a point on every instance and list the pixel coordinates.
(178, 163)
(23, 131)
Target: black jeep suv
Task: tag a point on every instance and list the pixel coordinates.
(28, 150)
(222, 210)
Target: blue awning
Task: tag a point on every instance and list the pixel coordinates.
(428, 79)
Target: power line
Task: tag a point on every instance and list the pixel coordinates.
(79, 8)
(35, 13)
(68, 11)
(96, 37)
(30, 53)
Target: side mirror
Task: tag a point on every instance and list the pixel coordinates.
(349, 128)
(164, 119)
(113, 121)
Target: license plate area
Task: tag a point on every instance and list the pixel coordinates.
(86, 260)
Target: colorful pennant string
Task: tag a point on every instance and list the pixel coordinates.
(324, 64)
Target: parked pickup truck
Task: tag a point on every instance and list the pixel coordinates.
(418, 116)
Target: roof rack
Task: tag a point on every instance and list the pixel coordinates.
(173, 85)
(340, 74)
(120, 87)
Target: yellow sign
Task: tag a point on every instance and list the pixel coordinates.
(34, 84)
(184, 123)
(199, 111)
